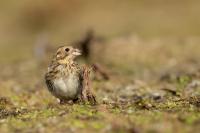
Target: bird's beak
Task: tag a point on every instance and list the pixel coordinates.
(76, 52)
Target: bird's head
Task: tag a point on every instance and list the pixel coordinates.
(66, 54)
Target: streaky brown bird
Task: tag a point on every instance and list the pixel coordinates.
(66, 80)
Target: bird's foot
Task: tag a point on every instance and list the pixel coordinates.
(64, 102)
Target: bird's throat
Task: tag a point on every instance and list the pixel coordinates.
(65, 61)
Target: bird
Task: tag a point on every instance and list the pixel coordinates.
(66, 79)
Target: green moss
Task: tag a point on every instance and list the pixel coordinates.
(97, 125)
(183, 81)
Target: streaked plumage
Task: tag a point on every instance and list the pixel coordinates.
(64, 78)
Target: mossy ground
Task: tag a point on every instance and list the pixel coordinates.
(154, 96)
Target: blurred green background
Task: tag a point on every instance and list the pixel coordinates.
(63, 21)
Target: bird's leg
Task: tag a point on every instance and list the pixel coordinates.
(86, 90)
(62, 101)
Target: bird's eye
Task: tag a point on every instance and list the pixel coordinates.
(67, 49)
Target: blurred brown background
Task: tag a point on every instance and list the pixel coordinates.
(63, 21)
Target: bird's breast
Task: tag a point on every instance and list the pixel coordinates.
(67, 87)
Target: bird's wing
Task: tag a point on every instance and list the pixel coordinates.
(49, 83)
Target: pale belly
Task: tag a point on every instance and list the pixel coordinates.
(67, 88)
